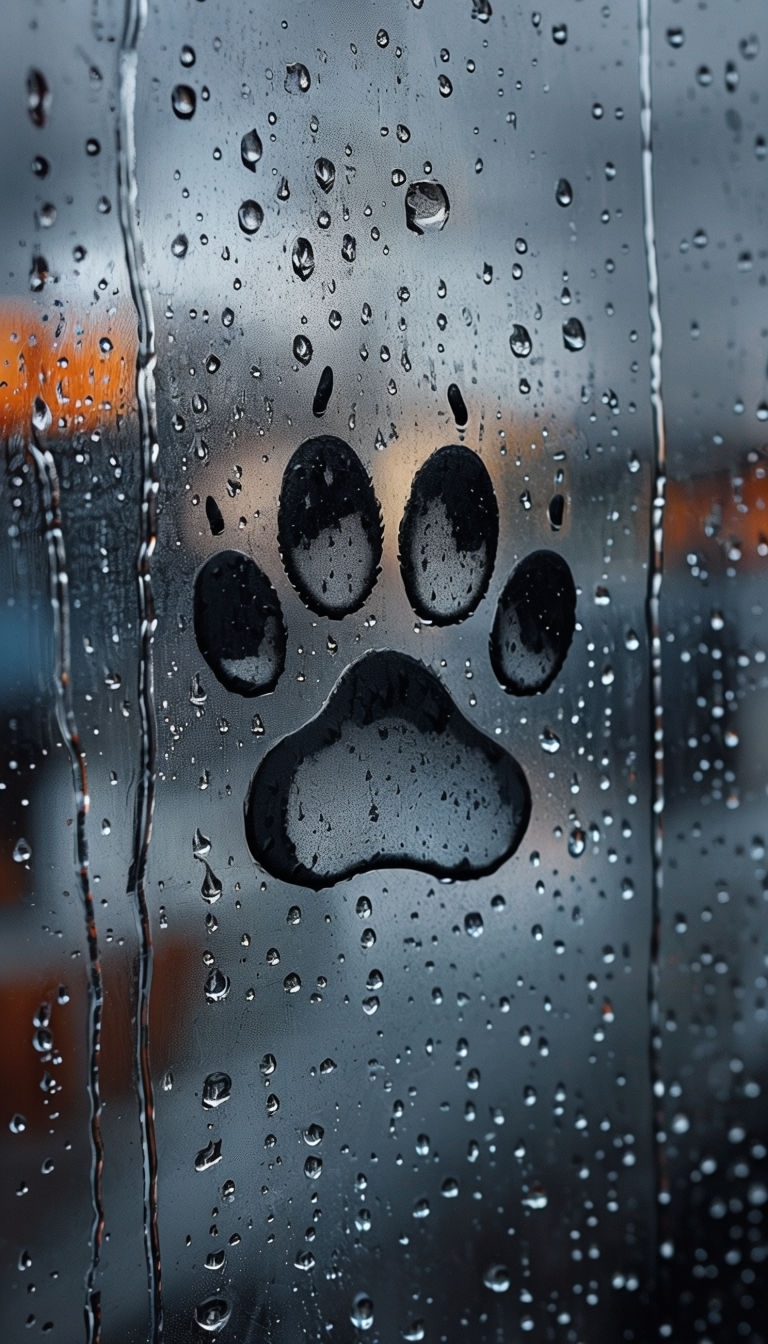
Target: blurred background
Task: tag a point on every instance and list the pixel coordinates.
(537, 1097)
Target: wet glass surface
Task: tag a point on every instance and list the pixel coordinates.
(364, 972)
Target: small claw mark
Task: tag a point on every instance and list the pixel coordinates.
(214, 515)
(458, 405)
(323, 393)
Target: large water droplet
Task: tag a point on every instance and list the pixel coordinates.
(250, 216)
(183, 101)
(251, 149)
(297, 78)
(217, 985)
(520, 342)
(217, 1089)
(209, 1155)
(361, 1315)
(22, 851)
(389, 774)
(426, 207)
(302, 349)
(303, 258)
(239, 624)
(38, 98)
(534, 623)
(212, 1314)
(448, 536)
(564, 192)
(325, 174)
(497, 1278)
(329, 527)
(574, 337)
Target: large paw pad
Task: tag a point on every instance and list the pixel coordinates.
(389, 773)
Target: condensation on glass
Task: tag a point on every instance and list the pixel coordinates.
(364, 973)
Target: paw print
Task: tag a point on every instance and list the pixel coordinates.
(389, 773)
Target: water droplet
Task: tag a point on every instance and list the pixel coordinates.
(325, 174)
(313, 1134)
(560, 33)
(239, 624)
(382, 38)
(303, 258)
(323, 393)
(574, 337)
(22, 851)
(251, 150)
(292, 983)
(201, 845)
(329, 527)
(217, 1089)
(389, 774)
(38, 98)
(426, 207)
(534, 623)
(497, 1278)
(211, 889)
(302, 349)
(448, 536)
(473, 924)
(564, 192)
(209, 1155)
(481, 10)
(549, 741)
(520, 342)
(297, 78)
(183, 101)
(536, 1198)
(212, 1315)
(445, 86)
(361, 1315)
(217, 985)
(179, 245)
(250, 216)
(313, 1168)
(17, 1123)
(577, 842)
(349, 247)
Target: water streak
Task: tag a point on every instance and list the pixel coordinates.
(58, 579)
(135, 18)
(653, 607)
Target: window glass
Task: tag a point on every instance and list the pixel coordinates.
(371, 984)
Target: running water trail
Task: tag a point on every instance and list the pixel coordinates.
(58, 580)
(135, 18)
(653, 613)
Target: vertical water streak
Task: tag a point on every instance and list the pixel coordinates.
(135, 18)
(58, 580)
(653, 612)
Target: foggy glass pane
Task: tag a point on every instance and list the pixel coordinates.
(364, 973)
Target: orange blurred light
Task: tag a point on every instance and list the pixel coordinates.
(82, 368)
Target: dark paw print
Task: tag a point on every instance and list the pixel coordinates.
(389, 773)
